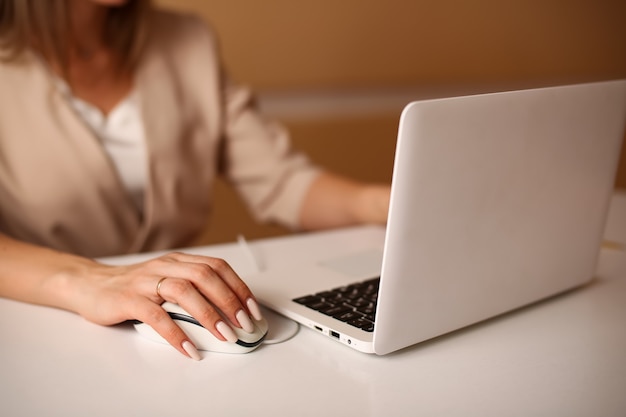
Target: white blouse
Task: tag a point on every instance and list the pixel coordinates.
(122, 135)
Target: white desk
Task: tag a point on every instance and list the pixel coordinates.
(562, 357)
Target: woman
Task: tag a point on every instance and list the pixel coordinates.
(115, 118)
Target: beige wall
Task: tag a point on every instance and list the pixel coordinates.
(294, 44)
(305, 46)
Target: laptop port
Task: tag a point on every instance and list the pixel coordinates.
(334, 334)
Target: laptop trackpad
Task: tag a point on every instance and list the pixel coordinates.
(364, 264)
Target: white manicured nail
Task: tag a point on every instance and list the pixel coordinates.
(244, 321)
(254, 309)
(191, 350)
(226, 331)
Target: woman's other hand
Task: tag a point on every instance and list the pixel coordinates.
(335, 201)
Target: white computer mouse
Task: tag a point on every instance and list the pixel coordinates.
(202, 338)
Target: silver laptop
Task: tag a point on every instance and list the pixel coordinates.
(498, 200)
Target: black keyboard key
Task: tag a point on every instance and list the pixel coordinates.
(368, 311)
(336, 311)
(307, 300)
(363, 324)
(359, 303)
(348, 316)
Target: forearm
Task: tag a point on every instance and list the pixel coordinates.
(39, 275)
(335, 201)
(107, 294)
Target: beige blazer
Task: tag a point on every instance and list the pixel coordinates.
(59, 188)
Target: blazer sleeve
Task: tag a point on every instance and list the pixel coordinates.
(254, 154)
(260, 162)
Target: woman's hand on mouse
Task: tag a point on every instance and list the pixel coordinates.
(199, 284)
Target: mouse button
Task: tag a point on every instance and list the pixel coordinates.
(262, 325)
(206, 341)
(199, 336)
(254, 339)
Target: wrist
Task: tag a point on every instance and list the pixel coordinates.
(372, 204)
(66, 287)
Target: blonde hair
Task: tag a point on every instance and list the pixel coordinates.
(44, 25)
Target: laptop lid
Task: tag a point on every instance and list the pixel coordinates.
(498, 200)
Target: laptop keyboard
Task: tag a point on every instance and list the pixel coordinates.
(353, 304)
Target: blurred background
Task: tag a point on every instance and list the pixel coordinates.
(338, 72)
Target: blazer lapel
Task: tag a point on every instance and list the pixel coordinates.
(162, 122)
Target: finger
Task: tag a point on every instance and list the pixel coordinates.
(208, 281)
(232, 279)
(199, 282)
(216, 279)
(157, 318)
(186, 295)
(223, 270)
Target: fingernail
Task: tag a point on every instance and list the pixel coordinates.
(254, 309)
(226, 331)
(244, 320)
(191, 350)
